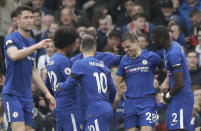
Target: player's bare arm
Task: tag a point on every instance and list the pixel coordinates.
(16, 54)
(165, 85)
(118, 80)
(178, 84)
(40, 84)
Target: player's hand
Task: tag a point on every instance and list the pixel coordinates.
(165, 99)
(43, 44)
(51, 101)
(164, 87)
(57, 87)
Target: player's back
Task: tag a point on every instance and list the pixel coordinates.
(95, 79)
(18, 73)
(107, 58)
(174, 56)
(59, 68)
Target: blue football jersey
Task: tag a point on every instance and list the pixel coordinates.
(95, 79)
(139, 73)
(175, 57)
(107, 58)
(19, 73)
(59, 68)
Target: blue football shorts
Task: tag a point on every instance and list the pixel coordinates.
(140, 112)
(18, 109)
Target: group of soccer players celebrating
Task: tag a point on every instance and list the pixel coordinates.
(82, 86)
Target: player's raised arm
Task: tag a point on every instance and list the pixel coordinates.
(15, 54)
(70, 81)
(40, 84)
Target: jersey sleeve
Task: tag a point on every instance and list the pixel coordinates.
(157, 61)
(66, 68)
(115, 59)
(9, 42)
(121, 70)
(76, 72)
(175, 61)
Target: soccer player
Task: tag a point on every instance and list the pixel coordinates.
(138, 67)
(99, 90)
(59, 68)
(179, 96)
(20, 55)
(108, 60)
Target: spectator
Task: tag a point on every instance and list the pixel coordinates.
(195, 18)
(177, 34)
(13, 23)
(114, 43)
(186, 7)
(37, 23)
(44, 59)
(39, 5)
(194, 70)
(66, 17)
(198, 47)
(138, 24)
(142, 41)
(47, 20)
(124, 17)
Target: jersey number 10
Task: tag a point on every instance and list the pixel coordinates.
(99, 80)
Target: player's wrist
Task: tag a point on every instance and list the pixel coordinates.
(168, 96)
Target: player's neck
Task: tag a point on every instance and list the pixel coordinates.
(24, 33)
(138, 52)
(63, 52)
(88, 54)
(168, 45)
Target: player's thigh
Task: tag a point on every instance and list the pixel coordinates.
(18, 126)
(133, 129)
(130, 115)
(147, 128)
(13, 108)
(28, 111)
(66, 121)
(147, 117)
(101, 123)
(179, 115)
(28, 128)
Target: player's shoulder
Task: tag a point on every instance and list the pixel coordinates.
(108, 54)
(11, 36)
(76, 57)
(124, 58)
(59, 59)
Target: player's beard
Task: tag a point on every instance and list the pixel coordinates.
(25, 29)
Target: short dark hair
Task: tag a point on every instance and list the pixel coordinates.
(191, 51)
(23, 8)
(115, 34)
(160, 32)
(37, 11)
(128, 1)
(64, 37)
(88, 42)
(139, 15)
(129, 36)
(193, 12)
(13, 14)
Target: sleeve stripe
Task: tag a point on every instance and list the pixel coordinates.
(9, 44)
(177, 67)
